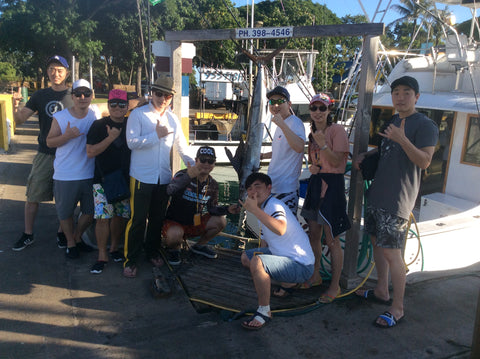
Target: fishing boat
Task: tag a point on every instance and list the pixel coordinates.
(292, 69)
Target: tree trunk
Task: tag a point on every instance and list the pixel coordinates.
(119, 75)
(77, 70)
(139, 80)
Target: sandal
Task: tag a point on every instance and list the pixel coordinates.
(327, 298)
(308, 284)
(282, 292)
(259, 317)
(130, 272)
(389, 319)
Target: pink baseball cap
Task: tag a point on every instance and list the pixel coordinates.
(323, 98)
(117, 94)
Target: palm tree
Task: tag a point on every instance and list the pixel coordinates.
(411, 11)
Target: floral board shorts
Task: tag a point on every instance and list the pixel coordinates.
(105, 210)
(389, 230)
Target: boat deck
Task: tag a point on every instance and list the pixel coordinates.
(224, 283)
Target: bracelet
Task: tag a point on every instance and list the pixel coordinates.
(324, 147)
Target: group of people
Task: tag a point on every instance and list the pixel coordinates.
(79, 155)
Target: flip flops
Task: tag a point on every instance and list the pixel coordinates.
(282, 292)
(256, 317)
(389, 319)
(327, 298)
(370, 296)
(308, 284)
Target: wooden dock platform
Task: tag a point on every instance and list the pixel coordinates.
(224, 283)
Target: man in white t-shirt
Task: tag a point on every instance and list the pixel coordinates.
(288, 259)
(73, 170)
(288, 147)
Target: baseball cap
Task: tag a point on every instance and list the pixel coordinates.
(405, 81)
(279, 90)
(323, 98)
(59, 59)
(81, 83)
(117, 94)
(206, 151)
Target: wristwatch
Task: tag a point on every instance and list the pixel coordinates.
(324, 147)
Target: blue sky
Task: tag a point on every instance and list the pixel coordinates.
(352, 7)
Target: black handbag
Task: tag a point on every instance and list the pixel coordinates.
(369, 166)
(115, 186)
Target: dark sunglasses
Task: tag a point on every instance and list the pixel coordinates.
(84, 93)
(321, 108)
(210, 161)
(119, 104)
(160, 94)
(277, 102)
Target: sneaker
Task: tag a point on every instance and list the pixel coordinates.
(173, 257)
(117, 256)
(24, 241)
(204, 251)
(61, 240)
(72, 253)
(98, 267)
(130, 272)
(84, 247)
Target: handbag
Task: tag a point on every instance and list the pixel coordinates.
(115, 186)
(369, 166)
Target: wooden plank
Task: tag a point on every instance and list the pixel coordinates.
(373, 29)
(223, 282)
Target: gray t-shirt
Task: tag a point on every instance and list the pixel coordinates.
(397, 180)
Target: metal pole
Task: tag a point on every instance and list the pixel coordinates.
(149, 62)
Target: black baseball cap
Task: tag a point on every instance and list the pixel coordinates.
(206, 151)
(405, 81)
(279, 90)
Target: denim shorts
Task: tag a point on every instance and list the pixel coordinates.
(389, 230)
(280, 268)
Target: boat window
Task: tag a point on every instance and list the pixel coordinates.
(379, 116)
(471, 146)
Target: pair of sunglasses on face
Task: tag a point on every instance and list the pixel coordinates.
(119, 104)
(210, 161)
(85, 93)
(160, 94)
(322, 108)
(273, 102)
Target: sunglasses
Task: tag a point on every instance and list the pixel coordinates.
(210, 161)
(84, 93)
(321, 108)
(277, 102)
(119, 104)
(160, 94)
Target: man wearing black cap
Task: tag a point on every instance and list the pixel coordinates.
(44, 102)
(406, 149)
(152, 131)
(193, 209)
(288, 147)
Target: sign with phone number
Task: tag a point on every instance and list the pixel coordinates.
(264, 32)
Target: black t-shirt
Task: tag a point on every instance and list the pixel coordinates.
(116, 155)
(47, 102)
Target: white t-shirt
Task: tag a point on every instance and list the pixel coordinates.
(294, 243)
(71, 161)
(286, 164)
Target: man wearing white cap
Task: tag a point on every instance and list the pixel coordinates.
(152, 131)
(45, 102)
(73, 170)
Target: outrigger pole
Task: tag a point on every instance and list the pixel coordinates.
(370, 33)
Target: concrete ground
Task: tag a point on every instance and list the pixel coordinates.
(51, 307)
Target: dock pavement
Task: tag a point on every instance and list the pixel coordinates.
(52, 307)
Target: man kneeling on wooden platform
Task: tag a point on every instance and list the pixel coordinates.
(288, 259)
(193, 209)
